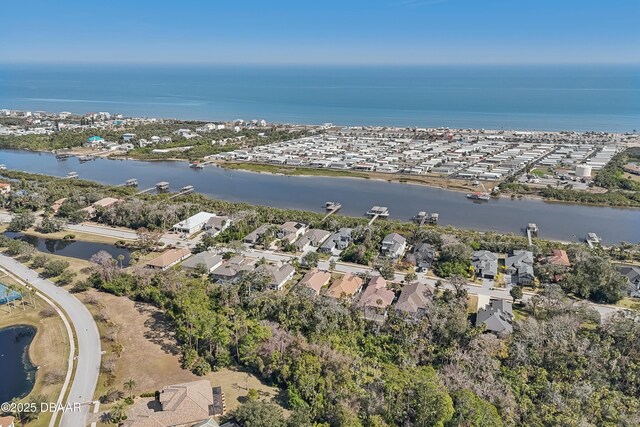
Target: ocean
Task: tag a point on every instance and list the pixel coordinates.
(599, 98)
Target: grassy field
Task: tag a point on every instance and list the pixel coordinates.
(149, 353)
(632, 303)
(49, 349)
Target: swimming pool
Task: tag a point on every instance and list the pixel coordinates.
(7, 295)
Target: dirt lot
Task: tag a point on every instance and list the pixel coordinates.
(150, 355)
(49, 349)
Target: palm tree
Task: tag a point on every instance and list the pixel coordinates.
(119, 411)
(130, 385)
(120, 259)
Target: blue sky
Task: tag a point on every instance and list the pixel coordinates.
(322, 31)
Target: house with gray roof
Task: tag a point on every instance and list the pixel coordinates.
(414, 299)
(424, 255)
(393, 246)
(497, 316)
(209, 260)
(312, 238)
(217, 225)
(338, 241)
(290, 231)
(485, 264)
(277, 276)
(252, 238)
(232, 269)
(519, 267)
(632, 273)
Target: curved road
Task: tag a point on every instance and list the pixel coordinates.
(87, 336)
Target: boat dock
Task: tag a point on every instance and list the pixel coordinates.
(183, 191)
(62, 156)
(377, 212)
(532, 230)
(424, 217)
(331, 208)
(593, 240)
(129, 183)
(160, 187)
(86, 158)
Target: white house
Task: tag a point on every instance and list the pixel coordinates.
(193, 224)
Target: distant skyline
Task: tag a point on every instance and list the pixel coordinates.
(384, 32)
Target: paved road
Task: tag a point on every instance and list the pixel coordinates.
(87, 336)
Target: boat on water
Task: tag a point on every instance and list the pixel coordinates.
(62, 156)
(72, 175)
(479, 195)
(196, 165)
(332, 206)
(3, 167)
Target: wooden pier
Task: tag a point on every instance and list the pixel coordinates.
(129, 183)
(424, 217)
(377, 212)
(331, 208)
(160, 187)
(532, 230)
(183, 191)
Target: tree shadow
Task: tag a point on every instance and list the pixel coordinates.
(160, 329)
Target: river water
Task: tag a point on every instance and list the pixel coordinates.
(568, 222)
(18, 374)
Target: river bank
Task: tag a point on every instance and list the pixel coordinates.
(560, 221)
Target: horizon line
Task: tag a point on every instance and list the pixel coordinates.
(317, 64)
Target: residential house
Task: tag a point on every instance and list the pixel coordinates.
(290, 231)
(193, 224)
(128, 137)
(315, 280)
(252, 238)
(209, 260)
(559, 257)
(5, 188)
(277, 276)
(94, 141)
(168, 259)
(519, 268)
(393, 246)
(312, 238)
(346, 286)
(232, 269)
(177, 405)
(424, 254)
(7, 421)
(338, 241)
(485, 264)
(632, 273)
(105, 203)
(497, 316)
(375, 299)
(217, 224)
(414, 299)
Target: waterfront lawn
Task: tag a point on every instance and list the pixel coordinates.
(49, 349)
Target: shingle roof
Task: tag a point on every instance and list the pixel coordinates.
(414, 297)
